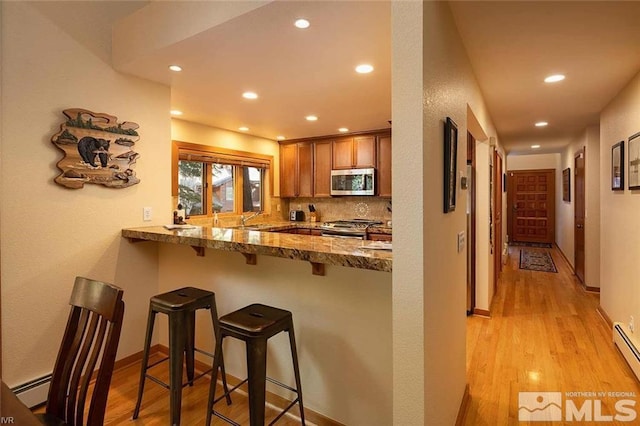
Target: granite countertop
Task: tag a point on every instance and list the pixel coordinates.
(317, 250)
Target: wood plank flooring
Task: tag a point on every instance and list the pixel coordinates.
(544, 335)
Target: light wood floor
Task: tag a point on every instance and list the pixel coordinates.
(155, 401)
(544, 335)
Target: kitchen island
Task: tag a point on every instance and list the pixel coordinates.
(262, 240)
(342, 319)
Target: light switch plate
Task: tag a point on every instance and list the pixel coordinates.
(461, 241)
(146, 213)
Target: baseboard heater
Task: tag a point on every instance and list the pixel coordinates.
(628, 347)
(34, 392)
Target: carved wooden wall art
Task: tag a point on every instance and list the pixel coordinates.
(97, 149)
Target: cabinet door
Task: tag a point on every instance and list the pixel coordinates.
(288, 162)
(384, 166)
(305, 170)
(380, 237)
(343, 153)
(322, 169)
(364, 149)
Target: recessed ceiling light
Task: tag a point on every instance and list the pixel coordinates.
(302, 23)
(541, 124)
(554, 78)
(343, 130)
(250, 95)
(535, 146)
(280, 138)
(176, 112)
(364, 68)
(243, 129)
(176, 68)
(311, 118)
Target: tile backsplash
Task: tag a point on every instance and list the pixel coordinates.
(335, 208)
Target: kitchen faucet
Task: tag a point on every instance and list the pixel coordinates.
(244, 219)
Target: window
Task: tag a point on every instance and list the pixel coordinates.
(210, 180)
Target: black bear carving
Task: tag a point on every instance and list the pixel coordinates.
(97, 149)
(90, 147)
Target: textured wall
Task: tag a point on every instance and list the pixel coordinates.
(77, 232)
(619, 230)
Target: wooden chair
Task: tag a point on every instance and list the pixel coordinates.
(92, 334)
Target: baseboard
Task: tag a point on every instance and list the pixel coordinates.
(464, 404)
(573, 271)
(592, 289)
(275, 401)
(604, 316)
(482, 312)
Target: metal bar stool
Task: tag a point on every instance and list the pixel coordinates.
(254, 325)
(180, 306)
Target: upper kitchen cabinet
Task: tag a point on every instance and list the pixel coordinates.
(322, 168)
(296, 170)
(384, 166)
(357, 152)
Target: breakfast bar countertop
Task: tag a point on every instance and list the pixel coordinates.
(318, 250)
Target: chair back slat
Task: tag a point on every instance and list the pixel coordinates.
(90, 339)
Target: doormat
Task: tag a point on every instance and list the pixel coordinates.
(537, 261)
(526, 244)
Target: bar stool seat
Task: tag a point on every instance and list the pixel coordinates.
(180, 306)
(255, 324)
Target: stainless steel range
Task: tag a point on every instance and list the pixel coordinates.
(353, 228)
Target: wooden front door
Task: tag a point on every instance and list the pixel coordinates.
(531, 195)
(578, 218)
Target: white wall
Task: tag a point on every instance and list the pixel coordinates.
(484, 256)
(619, 229)
(429, 274)
(590, 140)
(51, 234)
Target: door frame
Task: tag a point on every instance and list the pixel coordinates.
(497, 217)
(471, 245)
(578, 154)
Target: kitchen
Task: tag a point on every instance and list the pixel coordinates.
(83, 228)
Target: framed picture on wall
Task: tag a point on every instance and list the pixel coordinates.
(634, 161)
(450, 164)
(566, 184)
(617, 167)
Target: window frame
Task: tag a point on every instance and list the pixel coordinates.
(213, 154)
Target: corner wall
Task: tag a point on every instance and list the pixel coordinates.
(432, 80)
(619, 231)
(51, 234)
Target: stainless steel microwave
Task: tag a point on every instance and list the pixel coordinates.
(353, 182)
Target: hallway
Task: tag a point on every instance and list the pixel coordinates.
(544, 335)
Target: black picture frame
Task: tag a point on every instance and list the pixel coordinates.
(633, 177)
(617, 167)
(450, 164)
(566, 184)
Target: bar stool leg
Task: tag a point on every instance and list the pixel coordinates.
(176, 350)
(216, 331)
(145, 360)
(257, 369)
(296, 370)
(217, 360)
(189, 345)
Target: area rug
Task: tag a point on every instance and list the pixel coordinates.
(537, 261)
(525, 244)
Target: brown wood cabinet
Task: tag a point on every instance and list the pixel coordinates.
(356, 152)
(306, 164)
(384, 166)
(379, 237)
(322, 169)
(296, 170)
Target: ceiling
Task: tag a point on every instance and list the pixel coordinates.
(512, 46)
